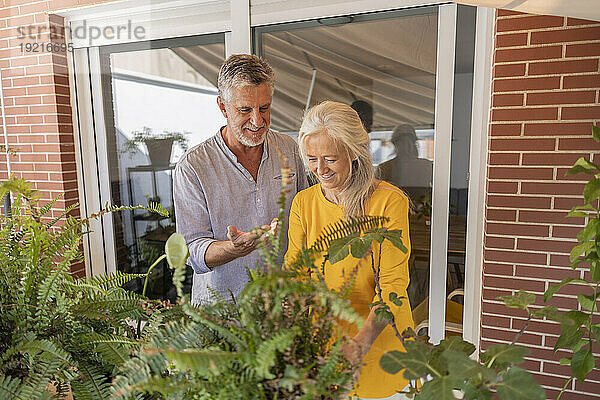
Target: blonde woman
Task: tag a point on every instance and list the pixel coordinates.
(335, 147)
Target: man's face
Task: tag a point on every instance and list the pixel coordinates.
(248, 113)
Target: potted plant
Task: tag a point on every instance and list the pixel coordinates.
(159, 145)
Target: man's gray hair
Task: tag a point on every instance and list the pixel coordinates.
(243, 70)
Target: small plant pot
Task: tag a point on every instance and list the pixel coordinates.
(159, 151)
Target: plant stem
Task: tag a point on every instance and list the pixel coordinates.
(518, 335)
(376, 276)
(565, 387)
(150, 270)
(139, 324)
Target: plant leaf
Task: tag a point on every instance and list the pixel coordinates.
(551, 313)
(583, 165)
(582, 363)
(591, 191)
(359, 247)
(520, 300)
(587, 302)
(500, 356)
(460, 366)
(438, 389)
(595, 270)
(580, 249)
(176, 250)
(589, 232)
(596, 133)
(413, 361)
(518, 384)
(555, 288)
(338, 248)
(395, 236)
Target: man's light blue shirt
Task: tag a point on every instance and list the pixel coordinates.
(212, 190)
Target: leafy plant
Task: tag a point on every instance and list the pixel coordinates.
(579, 332)
(131, 145)
(54, 328)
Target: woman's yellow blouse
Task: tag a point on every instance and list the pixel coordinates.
(310, 213)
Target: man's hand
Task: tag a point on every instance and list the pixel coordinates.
(240, 244)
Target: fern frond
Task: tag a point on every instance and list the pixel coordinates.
(157, 208)
(112, 348)
(115, 279)
(48, 349)
(114, 301)
(345, 227)
(93, 382)
(64, 213)
(10, 388)
(267, 351)
(46, 207)
(203, 362)
(34, 386)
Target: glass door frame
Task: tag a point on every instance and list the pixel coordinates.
(90, 132)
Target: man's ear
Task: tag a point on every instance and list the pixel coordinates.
(221, 105)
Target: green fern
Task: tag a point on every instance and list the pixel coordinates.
(10, 388)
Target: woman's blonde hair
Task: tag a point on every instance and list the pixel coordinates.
(342, 124)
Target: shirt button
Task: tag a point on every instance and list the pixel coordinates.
(258, 200)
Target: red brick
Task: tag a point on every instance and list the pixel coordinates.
(521, 144)
(504, 159)
(496, 242)
(569, 232)
(548, 327)
(578, 21)
(515, 256)
(500, 100)
(517, 229)
(33, 8)
(502, 334)
(519, 202)
(551, 188)
(581, 81)
(512, 39)
(554, 246)
(28, 100)
(583, 50)
(566, 203)
(501, 215)
(502, 187)
(520, 173)
(528, 54)
(550, 159)
(545, 272)
(549, 380)
(495, 321)
(558, 129)
(588, 144)
(504, 13)
(32, 139)
(547, 98)
(561, 175)
(551, 217)
(566, 35)
(498, 269)
(44, 129)
(528, 22)
(508, 70)
(514, 283)
(587, 386)
(563, 67)
(589, 112)
(506, 130)
(30, 119)
(17, 110)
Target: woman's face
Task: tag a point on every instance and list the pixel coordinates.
(328, 162)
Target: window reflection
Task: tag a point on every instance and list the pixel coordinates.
(162, 101)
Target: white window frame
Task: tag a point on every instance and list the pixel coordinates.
(168, 18)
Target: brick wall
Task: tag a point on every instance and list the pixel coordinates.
(546, 84)
(37, 102)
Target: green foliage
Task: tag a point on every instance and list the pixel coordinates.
(447, 368)
(578, 332)
(54, 328)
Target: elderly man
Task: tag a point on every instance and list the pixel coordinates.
(231, 183)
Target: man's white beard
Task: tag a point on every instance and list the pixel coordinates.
(250, 142)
